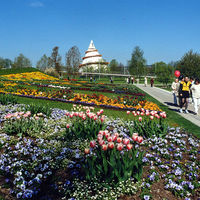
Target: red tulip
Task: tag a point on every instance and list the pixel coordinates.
(135, 137)
(126, 141)
(114, 137)
(104, 147)
(140, 119)
(67, 125)
(87, 151)
(128, 112)
(110, 139)
(67, 113)
(111, 145)
(119, 139)
(140, 139)
(101, 142)
(92, 144)
(119, 146)
(129, 146)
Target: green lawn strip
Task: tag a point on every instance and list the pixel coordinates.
(18, 70)
(68, 106)
(174, 119)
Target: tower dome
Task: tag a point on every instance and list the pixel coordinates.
(92, 59)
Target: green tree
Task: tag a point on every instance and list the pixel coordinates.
(73, 59)
(163, 72)
(55, 60)
(190, 64)
(21, 62)
(113, 65)
(42, 64)
(137, 63)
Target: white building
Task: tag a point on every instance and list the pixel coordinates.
(92, 61)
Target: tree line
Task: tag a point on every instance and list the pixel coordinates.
(54, 61)
(188, 65)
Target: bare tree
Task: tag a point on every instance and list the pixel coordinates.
(73, 60)
(55, 60)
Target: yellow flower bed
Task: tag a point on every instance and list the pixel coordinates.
(29, 76)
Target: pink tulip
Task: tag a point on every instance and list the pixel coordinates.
(104, 147)
(110, 139)
(147, 113)
(140, 139)
(67, 126)
(119, 146)
(142, 114)
(151, 117)
(92, 144)
(119, 139)
(101, 111)
(95, 118)
(129, 146)
(138, 112)
(135, 137)
(25, 115)
(114, 137)
(107, 135)
(111, 145)
(87, 151)
(98, 113)
(101, 142)
(71, 115)
(126, 141)
(133, 112)
(67, 113)
(116, 134)
(128, 112)
(140, 119)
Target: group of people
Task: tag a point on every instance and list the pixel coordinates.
(184, 88)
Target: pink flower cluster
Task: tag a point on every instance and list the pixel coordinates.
(87, 114)
(18, 115)
(151, 114)
(107, 141)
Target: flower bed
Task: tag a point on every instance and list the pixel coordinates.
(46, 162)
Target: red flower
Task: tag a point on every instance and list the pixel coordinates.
(140, 139)
(92, 144)
(119, 146)
(67, 126)
(129, 146)
(104, 147)
(119, 139)
(110, 139)
(126, 141)
(111, 145)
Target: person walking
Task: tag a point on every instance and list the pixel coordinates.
(185, 94)
(145, 81)
(175, 89)
(192, 82)
(152, 82)
(195, 88)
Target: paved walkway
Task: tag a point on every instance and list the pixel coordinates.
(166, 98)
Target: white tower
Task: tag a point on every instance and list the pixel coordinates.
(92, 59)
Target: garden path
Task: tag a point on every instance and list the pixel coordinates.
(166, 98)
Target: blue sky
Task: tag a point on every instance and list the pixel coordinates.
(164, 29)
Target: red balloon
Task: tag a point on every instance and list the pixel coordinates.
(177, 73)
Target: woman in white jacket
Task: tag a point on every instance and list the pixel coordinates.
(196, 95)
(175, 88)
